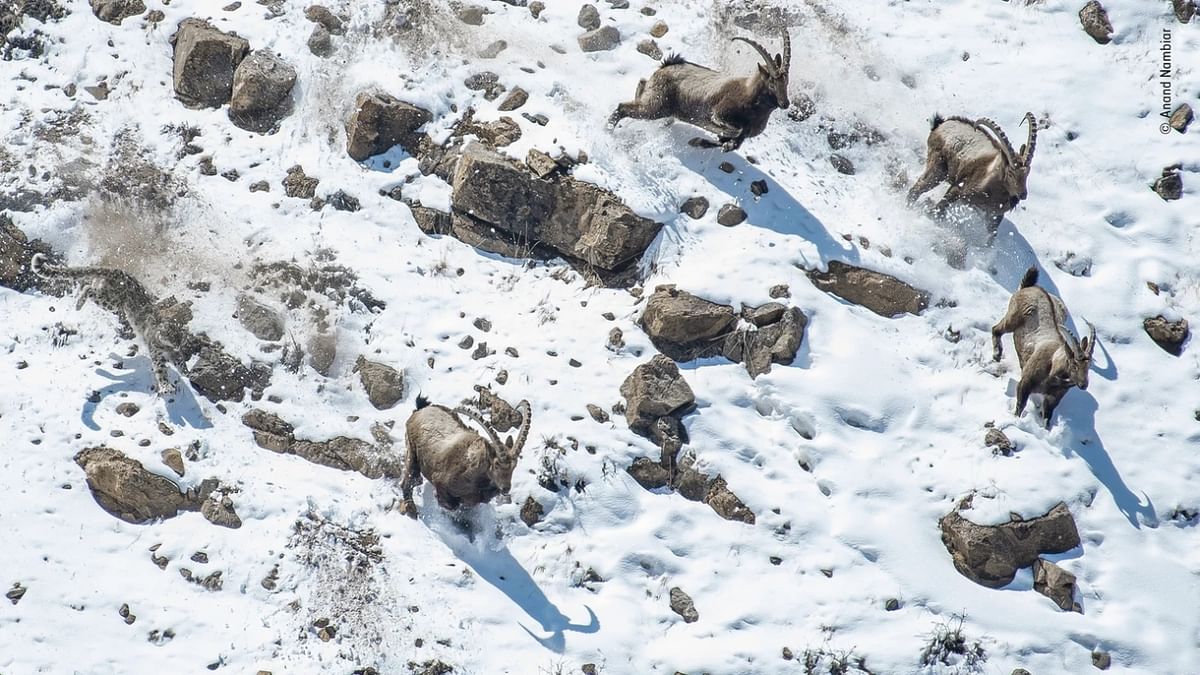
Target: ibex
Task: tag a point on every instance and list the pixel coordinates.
(1052, 360)
(979, 162)
(733, 108)
(465, 468)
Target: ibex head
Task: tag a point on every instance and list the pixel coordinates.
(1016, 163)
(774, 70)
(502, 456)
(1073, 369)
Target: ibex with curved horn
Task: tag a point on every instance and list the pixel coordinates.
(977, 159)
(733, 108)
(1052, 360)
(465, 468)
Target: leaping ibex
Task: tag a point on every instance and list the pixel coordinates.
(465, 468)
(979, 162)
(1052, 360)
(733, 108)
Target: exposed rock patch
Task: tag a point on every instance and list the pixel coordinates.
(1095, 22)
(219, 376)
(991, 555)
(1170, 335)
(116, 11)
(262, 321)
(272, 433)
(881, 293)
(379, 122)
(124, 488)
(1055, 583)
(262, 87)
(384, 385)
(655, 389)
(205, 61)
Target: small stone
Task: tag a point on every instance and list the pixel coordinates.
(1169, 186)
(538, 119)
(775, 560)
(493, 50)
(532, 511)
(482, 324)
(1095, 22)
(321, 15)
(472, 15)
(597, 413)
(998, 442)
(343, 201)
(659, 29)
(482, 351)
(730, 215)
(536, 8)
(512, 351)
(787, 654)
(173, 459)
(758, 188)
(727, 167)
(260, 186)
(125, 614)
(616, 339)
(650, 48)
(589, 17)
(466, 343)
(199, 557)
(515, 99)
(1102, 660)
(127, 409)
(694, 207)
(600, 39)
(842, 165)
(15, 594)
(681, 604)
(780, 291)
(319, 41)
(891, 605)
(1181, 118)
(1170, 335)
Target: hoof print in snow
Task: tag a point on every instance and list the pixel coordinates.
(990, 555)
(881, 293)
(1170, 335)
(681, 604)
(205, 61)
(1095, 22)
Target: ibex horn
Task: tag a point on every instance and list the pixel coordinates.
(1001, 140)
(526, 414)
(1032, 141)
(1091, 339)
(762, 52)
(500, 448)
(787, 51)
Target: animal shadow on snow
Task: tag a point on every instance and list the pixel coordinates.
(469, 538)
(182, 407)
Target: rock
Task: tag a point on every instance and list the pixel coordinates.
(730, 215)
(659, 29)
(299, 185)
(260, 186)
(515, 99)
(262, 321)
(1055, 583)
(532, 512)
(684, 326)
(127, 409)
(493, 50)
(384, 384)
(881, 293)
(431, 221)
(600, 39)
(842, 165)
(1184, 10)
(777, 342)
(655, 389)
(218, 376)
(15, 593)
(780, 291)
(650, 48)
(758, 188)
(579, 220)
(694, 207)
(589, 17)
(205, 61)
(116, 11)
(124, 488)
(497, 134)
(343, 201)
(319, 42)
(218, 510)
(262, 87)
(472, 15)
(649, 474)
(597, 413)
(998, 442)
(536, 8)
(322, 350)
(537, 118)
(379, 122)
(342, 453)
(487, 82)
(1169, 185)
(1181, 118)
(1095, 22)
(991, 555)
(16, 253)
(541, 164)
(726, 504)
(1170, 335)
(174, 460)
(321, 15)
(681, 604)
(1101, 660)
(1020, 671)
(270, 431)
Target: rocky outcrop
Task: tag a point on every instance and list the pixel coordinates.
(380, 122)
(881, 293)
(685, 327)
(1170, 335)
(501, 206)
(272, 433)
(384, 385)
(262, 88)
(991, 555)
(205, 61)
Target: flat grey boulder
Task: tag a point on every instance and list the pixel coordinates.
(384, 385)
(262, 321)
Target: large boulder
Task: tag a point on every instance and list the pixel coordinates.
(881, 293)
(684, 326)
(774, 342)
(262, 88)
(991, 555)
(579, 220)
(116, 11)
(124, 488)
(379, 122)
(205, 61)
(384, 384)
(655, 389)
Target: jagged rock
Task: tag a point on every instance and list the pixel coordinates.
(1181, 118)
(16, 252)
(322, 350)
(1055, 583)
(650, 48)
(601, 39)
(1095, 22)
(1170, 335)
(579, 220)
(384, 384)
(321, 15)
(264, 322)
(541, 164)
(655, 389)
(730, 215)
(515, 99)
(379, 122)
(116, 11)
(346, 454)
(694, 207)
(681, 604)
(174, 460)
(487, 82)
(597, 413)
(262, 87)
(299, 185)
(205, 61)
(270, 431)
(881, 293)
(776, 342)
(218, 510)
(683, 326)
(998, 442)
(649, 474)
(124, 488)
(726, 504)
(219, 376)
(496, 134)
(1184, 10)
(589, 17)
(1169, 185)
(991, 555)
(319, 41)
(532, 512)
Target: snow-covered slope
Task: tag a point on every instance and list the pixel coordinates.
(887, 414)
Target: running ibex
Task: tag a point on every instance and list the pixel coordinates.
(733, 108)
(465, 468)
(1052, 360)
(979, 162)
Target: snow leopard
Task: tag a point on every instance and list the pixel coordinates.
(166, 338)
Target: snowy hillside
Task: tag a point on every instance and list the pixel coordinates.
(847, 457)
